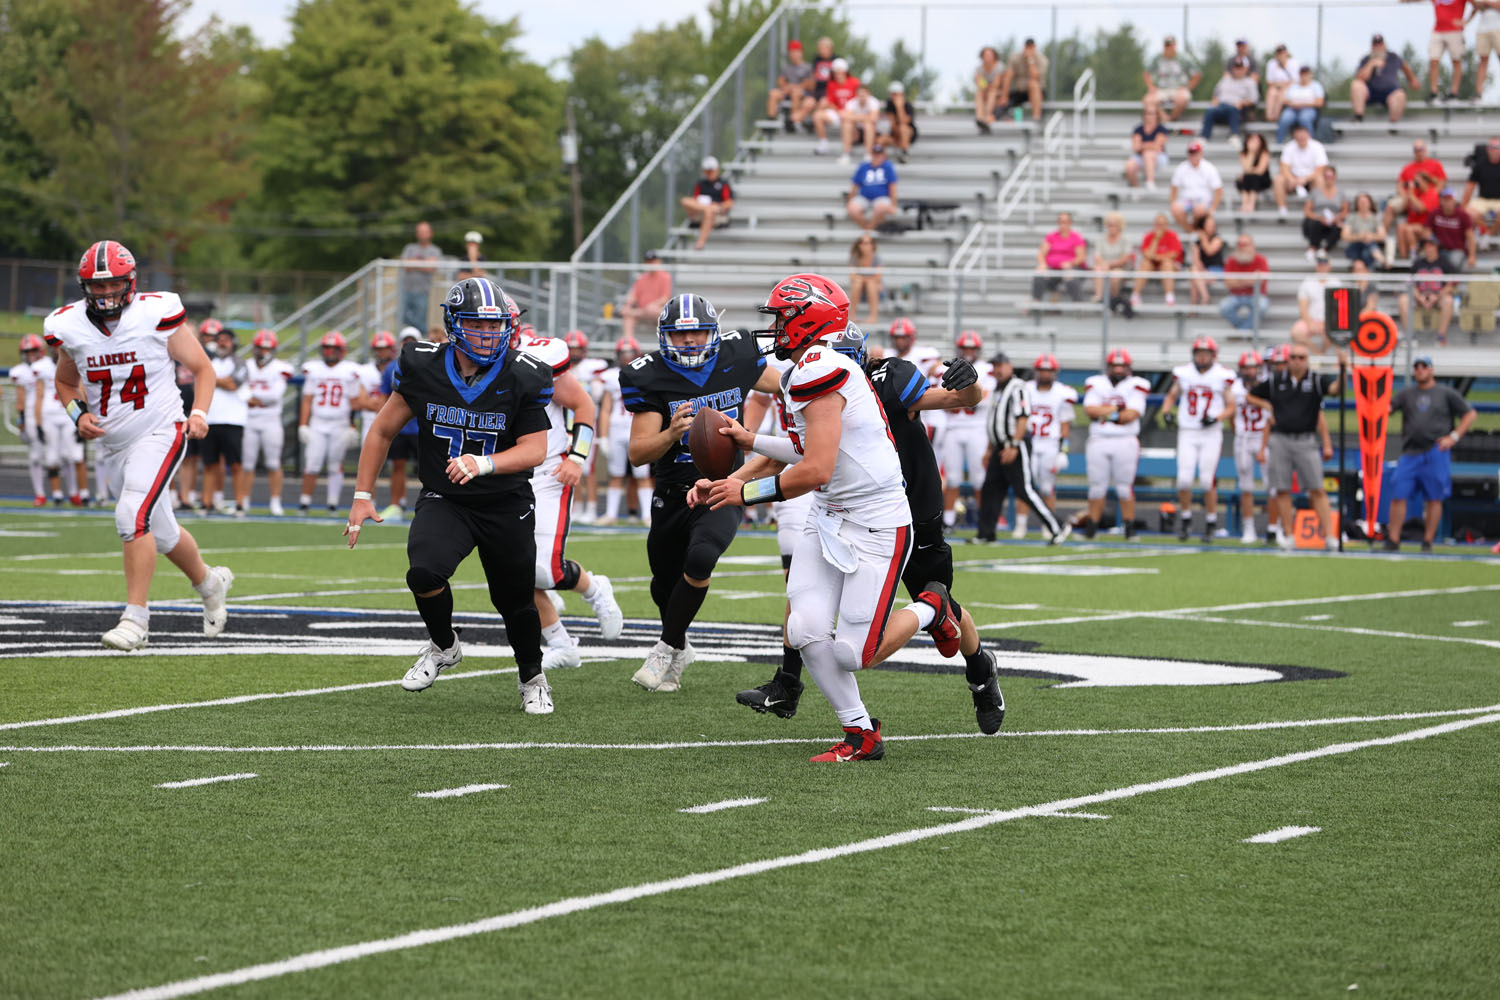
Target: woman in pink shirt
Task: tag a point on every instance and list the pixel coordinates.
(1063, 249)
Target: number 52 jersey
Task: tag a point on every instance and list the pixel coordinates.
(129, 379)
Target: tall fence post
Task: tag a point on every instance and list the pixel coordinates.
(635, 228)
(1052, 62)
(739, 108)
(922, 51)
(670, 206)
(547, 323)
(1318, 58)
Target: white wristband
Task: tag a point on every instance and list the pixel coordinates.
(363, 495)
(198, 413)
(484, 465)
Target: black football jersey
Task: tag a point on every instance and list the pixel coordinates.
(504, 402)
(650, 385)
(899, 384)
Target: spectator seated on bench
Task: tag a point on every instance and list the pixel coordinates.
(1161, 251)
(1061, 261)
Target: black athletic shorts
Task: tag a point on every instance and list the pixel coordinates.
(931, 558)
(680, 533)
(403, 447)
(223, 441)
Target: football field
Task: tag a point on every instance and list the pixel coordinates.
(1222, 773)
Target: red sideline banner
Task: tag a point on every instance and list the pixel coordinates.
(1373, 344)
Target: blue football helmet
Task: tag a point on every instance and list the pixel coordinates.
(688, 312)
(850, 342)
(479, 299)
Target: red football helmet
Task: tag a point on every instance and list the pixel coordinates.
(1249, 360)
(106, 262)
(1119, 356)
(31, 343)
(969, 341)
(806, 307)
(1206, 344)
(334, 346)
(905, 331)
(1045, 362)
(383, 340)
(265, 340)
(576, 340)
(1281, 354)
(210, 328)
(627, 349)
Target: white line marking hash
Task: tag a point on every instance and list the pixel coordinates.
(1283, 833)
(195, 782)
(453, 793)
(714, 807)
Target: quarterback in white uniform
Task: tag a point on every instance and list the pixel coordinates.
(29, 414)
(1200, 395)
(1250, 426)
(1114, 403)
(962, 445)
(1051, 422)
(842, 584)
(268, 378)
(118, 384)
(570, 439)
(331, 387)
(614, 428)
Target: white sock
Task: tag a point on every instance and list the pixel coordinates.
(556, 636)
(218, 499)
(305, 499)
(138, 614)
(38, 481)
(924, 612)
(1211, 518)
(837, 684)
(209, 585)
(335, 487)
(593, 592)
(1021, 522)
(70, 479)
(948, 518)
(1187, 516)
(643, 497)
(612, 502)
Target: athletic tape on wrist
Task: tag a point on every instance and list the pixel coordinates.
(484, 465)
(76, 409)
(201, 413)
(764, 490)
(363, 495)
(582, 442)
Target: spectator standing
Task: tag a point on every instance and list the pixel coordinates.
(1486, 40)
(1303, 101)
(1063, 250)
(792, 96)
(1114, 256)
(1208, 259)
(416, 275)
(1311, 306)
(1429, 290)
(1148, 149)
(1302, 161)
(1447, 36)
(1026, 79)
(1197, 188)
(1295, 400)
(647, 295)
(858, 119)
(1235, 95)
(1453, 228)
(1364, 237)
(1170, 78)
(872, 192)
(711, 201)
(989, 75)
(899, 121)
(473, 256)
(1161, 251)
(1434, 418)
(1323, 213)
(1255, 171)
(1484, 179)
(1281, 73)
(1245, 270)
(840, 90)
(1378, 81)
(864, 276)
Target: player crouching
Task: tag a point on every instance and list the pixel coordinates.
(842, 582)
(128, 343)
(482, 409)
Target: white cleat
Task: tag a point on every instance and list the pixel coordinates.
(606, 608)
(1062, 535)
(680, 660)
(128, 635)
(1019, 533)
(215, 611)
(1249, 537)
(656, 668)
(557, 601)
(561, 657)
(276, 509)
(432, 662)
(536, 696)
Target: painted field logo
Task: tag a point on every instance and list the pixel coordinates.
(30, 629)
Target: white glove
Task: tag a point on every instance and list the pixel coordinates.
(1059, 463)
(304, 432)
(351, 437)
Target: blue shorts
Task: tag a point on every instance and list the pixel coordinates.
(1423, 475)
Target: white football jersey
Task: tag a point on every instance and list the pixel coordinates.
(45, 370)
(25, 381)
(128, 377)
(332, 389)
(1051, 408)
(369, 380)
(619, 417)
(227, 407)
(268, 386)
(1130, 394)
(1202, 393)
(588, 372)
(967, 419)
(1250, 421)
(923, 356)
(866, 487)
(554, 354)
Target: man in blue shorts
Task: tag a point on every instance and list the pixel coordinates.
(1433, 419)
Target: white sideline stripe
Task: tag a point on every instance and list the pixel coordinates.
(1244, 727)
(714, 807)
(576, 904)
(318, 549)
(194, 782)
(1284, 833)
(239, 699)
(1471, 623)
(453, 793)
(1059, 815)
(1345, 629)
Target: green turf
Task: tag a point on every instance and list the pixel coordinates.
(113, 884)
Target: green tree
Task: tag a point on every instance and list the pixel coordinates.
(1118, 60)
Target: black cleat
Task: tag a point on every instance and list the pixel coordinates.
(1209, 527)
(1184, 527)
(989, 700)
(1129, 530)
(1391, 545)
(778, 696)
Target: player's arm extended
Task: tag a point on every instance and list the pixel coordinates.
(387, 424)
(820, 449)
(184, 348)
(938, 398)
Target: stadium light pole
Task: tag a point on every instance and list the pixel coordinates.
(569, 143)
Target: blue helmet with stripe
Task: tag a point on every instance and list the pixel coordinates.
(476, 300)
(681, 314)
(850, 341)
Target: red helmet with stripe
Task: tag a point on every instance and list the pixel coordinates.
(576, 340)
(1206, 344)
(1119, 356)
(968, 341)
(1045, 363)
(1249, 360)
(210, 328)
(334, 346)
(904, 330)
(102, 266)
(627, 349)
(805, 307)
(383, 340)
(265, 340)
(31, 343)
(1281, 354)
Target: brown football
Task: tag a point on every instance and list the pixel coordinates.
(713, 453)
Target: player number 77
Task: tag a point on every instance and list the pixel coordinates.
(455, 436)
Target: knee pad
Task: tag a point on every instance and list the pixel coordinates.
(1098, 492)
(567, 580)
(700, 560)
(800, 632)
(1185, 480)
(846, 656)
(1125, 492)
(542, 578)
(166, 535)
(421, 580)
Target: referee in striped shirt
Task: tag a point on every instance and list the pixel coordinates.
(1008, 463)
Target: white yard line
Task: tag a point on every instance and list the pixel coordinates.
(577, 904)
(195, 782)
(332, 547)
(714, 807)
(1284, 833)
(453, 793)
(1345, 629)
(1058, 815)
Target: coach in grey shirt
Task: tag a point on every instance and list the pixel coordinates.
(416, 279)
(1433, 419)
(1295, 399)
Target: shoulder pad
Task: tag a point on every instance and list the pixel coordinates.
(550, 352)
(822, 370)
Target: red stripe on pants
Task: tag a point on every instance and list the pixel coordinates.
(564, 516)
(887, 598)
(174, 453)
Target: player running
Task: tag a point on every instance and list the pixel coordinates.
(614, 428)
(1250, 425)
(118, 385)
(1114, 402)
(1198, 397)
(482, 408)
(267, 379)
(29, 414)
(1051, 422)
(331, 390)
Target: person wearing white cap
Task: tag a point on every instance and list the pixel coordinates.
(899, 121)
(710, 202)
(840, 90)
(473, 258)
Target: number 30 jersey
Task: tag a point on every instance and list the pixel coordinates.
(332, 389)
(484, 416)
(128, 377)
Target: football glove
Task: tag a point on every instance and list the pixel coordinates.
(959, 376)
(1059, 463)
(304, 433)
(1209, 421)
(352, 437)
(1169, 418)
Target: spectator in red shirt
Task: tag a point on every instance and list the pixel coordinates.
(1064, 249)
(1406, 183)
(1447, 36)
(1246, 304)
(841, 88)
(710, 202)
(1161, 250)
(646, 297)
(1453, 229)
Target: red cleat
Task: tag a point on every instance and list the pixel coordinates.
(39, 502)
(857, 744)
(944, 627)
(76, 500)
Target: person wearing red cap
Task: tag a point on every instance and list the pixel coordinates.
(1196, 401)
(331, 390)
(1114, 402)
(792, 96)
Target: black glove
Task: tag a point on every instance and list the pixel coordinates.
(1209, 421)
(1169, 418)
(959, 376)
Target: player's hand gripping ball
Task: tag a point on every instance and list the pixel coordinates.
(713, 453)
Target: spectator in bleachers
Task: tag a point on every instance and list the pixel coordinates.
(1161, 251)
(1255, 171)
(1311, 309)
(1170, 78)
(1486, 40)
(1148, 149)
(1447, 36)
(1281, 73)
(1428, 290)
(711, 201)
(1303, 101)
(647, 295)
(858, 119)
(839, 91)
(1434, 419)
(1425, 195)
(1235, 95)
(1026, 79)
(822, 64)
(416, 277)
(1378, 81)
(1484, 180)
(1323, 213)
(1453, 228)
(1243, 54)
(899, 121)
(988, 77)
(864, 276)
(1302, 160)
(794, 87)
(1061, 251)
(1364, 237)
(872, 192)
(1197, 189)
(1208, 259)
(1114, 256)
(473, 256)
(1247, 303)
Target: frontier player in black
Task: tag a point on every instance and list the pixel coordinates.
(481, 411)
(695, 366)
(903, 392)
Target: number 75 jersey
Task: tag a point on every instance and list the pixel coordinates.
(129, 379)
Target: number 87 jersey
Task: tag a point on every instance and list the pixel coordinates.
(128, 377)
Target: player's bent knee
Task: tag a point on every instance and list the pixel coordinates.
(700, 561)
(800, 632)
(570, 575)
(847, 657)
(420, 580)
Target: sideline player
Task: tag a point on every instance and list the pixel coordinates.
(589, 372)
(382, 356)
(404, 447)
(29, 414)
(223, 446)
(331, 389)
(1051, 422)
(841, 587)
(61, 449)
(483, 411)
(695, 365)
(117, 383)
(265, 434)
(1114, 402)
(614, 428)
(963, 437)
(1250, 424)
(1198, 397)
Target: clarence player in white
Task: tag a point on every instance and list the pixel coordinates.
(331, 388)
(1250, 425)
(1114, 403)
(1052, 405)
(614, 428)
(1198, 398)
(268, 378)
(964, 440)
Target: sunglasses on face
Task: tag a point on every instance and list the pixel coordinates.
(1299, 357)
